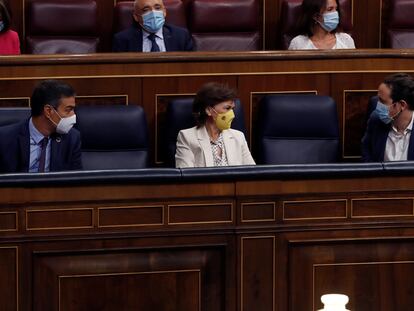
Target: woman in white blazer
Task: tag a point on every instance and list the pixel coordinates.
(212, 142)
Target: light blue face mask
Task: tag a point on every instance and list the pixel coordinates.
(383, 113)
(330, 21)
(1, 26)
(153, 21)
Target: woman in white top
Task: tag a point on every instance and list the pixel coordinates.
(212, 142)
(318, 27)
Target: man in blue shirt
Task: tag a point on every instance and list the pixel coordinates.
(149, 33)
(46, 141)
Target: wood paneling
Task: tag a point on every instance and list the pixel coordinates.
(257, 273)
(8, 221)
(382, 207)
(130, 216)
(371, 273)
(226, 246)
(257, 212)
(49, 219)
(314, 209)
(139, 291)
(213, 213)
(15, 102)
(9, 284)
(169, 279)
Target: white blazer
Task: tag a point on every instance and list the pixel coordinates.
(194, 148)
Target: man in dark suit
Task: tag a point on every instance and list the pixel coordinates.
(46, 141)
(149, 33)
(388, 135)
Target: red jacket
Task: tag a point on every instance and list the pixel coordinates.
(9, 43)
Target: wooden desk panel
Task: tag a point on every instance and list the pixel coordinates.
(236, 245)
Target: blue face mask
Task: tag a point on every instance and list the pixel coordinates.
(330, 21)
(153, 20)
(383, 113)
(1, 26)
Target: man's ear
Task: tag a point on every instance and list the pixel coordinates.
(403, 104)
(47, 111)
(136, 18)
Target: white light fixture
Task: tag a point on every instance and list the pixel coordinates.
(334, 302)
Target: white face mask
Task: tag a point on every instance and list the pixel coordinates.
(65, 124)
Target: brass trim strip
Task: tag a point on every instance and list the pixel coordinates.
(382, 216)
(242, 265)
(315, 201)
(16, 222)
(343, 120)
(156, 160)
(27, 211)
(200, 222)
(130, 207)
(257, 220)
(349, 264)
(60, 277)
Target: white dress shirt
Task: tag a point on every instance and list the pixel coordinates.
(396, 147)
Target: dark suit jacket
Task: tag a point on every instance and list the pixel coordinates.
(375, 138)
(15, 149)
(130, 40)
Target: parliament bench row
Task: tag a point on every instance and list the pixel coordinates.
(290, 129)
(50, 28)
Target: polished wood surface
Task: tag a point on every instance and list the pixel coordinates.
(350, 77)
(261, 244)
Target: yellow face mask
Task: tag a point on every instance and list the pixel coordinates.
(223, 120)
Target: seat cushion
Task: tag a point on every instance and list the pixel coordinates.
(54, 45)
(13, 115)
(62, 18)
(297, 129)
(226, 25)
(227, 41)
(113, 137)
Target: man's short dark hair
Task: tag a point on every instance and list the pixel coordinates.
(49, 92)
(210, 95)
(402, 88)
(5, 16)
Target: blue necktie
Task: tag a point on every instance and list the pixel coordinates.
(42, 159)
(154, 45)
